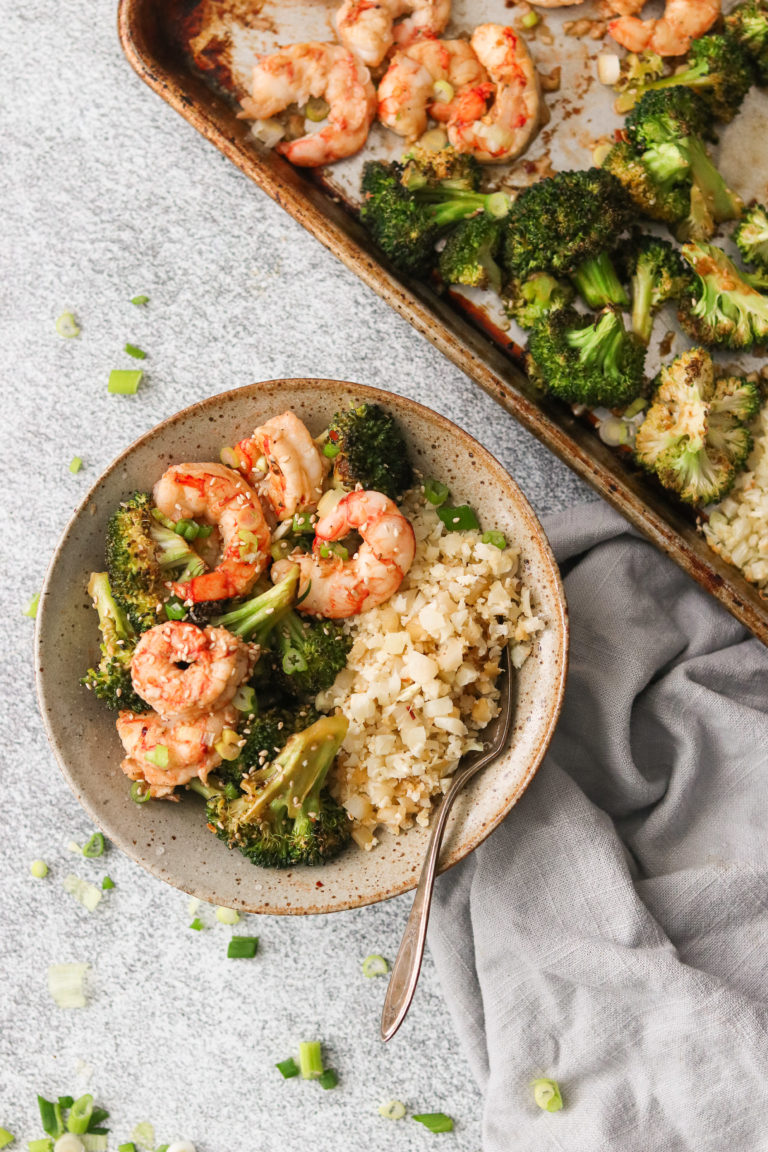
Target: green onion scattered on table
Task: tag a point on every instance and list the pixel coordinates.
(83, 891)
(288, 1068)
(39, 870)
(139, 300)
(6, 1138)
(79, 1118)
(227, 916)
(129, 1147)
(328, 1079)
(197, 924)
(95, 846)
(45, 1145)
(546, 1093)
(242, 947)
(375, 965)
(107, 883)
(31, 608)
(392, 1110)
(75, 464)
(66, 984)
(50, 1117)
(124, 381)
(435, 1121)
(67, 326)
(137, 353)
(459, 519)
(310, 1059)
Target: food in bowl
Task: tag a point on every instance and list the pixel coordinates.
(234, 596)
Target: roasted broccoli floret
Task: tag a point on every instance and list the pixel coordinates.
(585, 362)
(598, 283)
(407, 221)
(666, 128)
(264, 735)
(470, 253)
(722, 308)
(528, 301)
(751, 235)
(368, 448)
(694, 437)
(638, 69)
(311, 652)
(111, 681)
(423, 167)
(563, 221)
(719, 70)
(658, 274)
(658, 200)
(749, 24)
(256, 618)
(142, 555)
(285, 816)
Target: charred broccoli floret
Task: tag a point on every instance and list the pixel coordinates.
(586, 362)
(658, 274)
(749, 24)
(694, 437)
(311, 652)
(368, 448)
(722, 308)
(142, 555)
(528, 301)
(751, 235)
(264, 735)
(563, 223)
(657, 200)
(256, 618)
(638, 69)
(111, 681)
(719, 70)
(470, 253)
(284, 815)
(444, 167)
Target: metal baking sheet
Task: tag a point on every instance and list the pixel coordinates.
(197, 54)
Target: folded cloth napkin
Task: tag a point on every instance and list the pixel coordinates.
(612, 934)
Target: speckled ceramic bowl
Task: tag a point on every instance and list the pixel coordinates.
(171, 840)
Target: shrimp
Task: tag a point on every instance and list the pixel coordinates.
(189, 744)
(294, 74)
(682, 22)
(508, 127)
(407, 90)
(339, 588)
(182, 670)
(218, 495)
(369, 28)
(296, 469)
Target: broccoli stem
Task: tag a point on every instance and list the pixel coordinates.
(725, 204)
(204, 790)
(642, 301)
(598, 283)
(449, 205)
(113, 622)
(257, 617)
(173, 551)
(600, 344)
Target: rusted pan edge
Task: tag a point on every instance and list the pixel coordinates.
(441, 324)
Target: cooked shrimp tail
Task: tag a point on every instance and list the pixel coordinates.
(296, 470)
(371, 27)
(671, 35)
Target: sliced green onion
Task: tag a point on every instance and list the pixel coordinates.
(137, 353)
(124, 381)
(435, 1121)
(107, 883)
(329, 1079)
(99, 1115)
(375, 965)
(31, 608)
(546, 1093)
(242, 947)
(497, 205)
(83, 891)
(75, 464)
(280, 549)
(79, 1118)
(497, 539)
(39, 869)
(635, 407)
(95, 846)
(459, 519)
(392, 1110)
(140, 792)
(530, 20)
(45, 1145)
(73, 846)
(302, 524)
(67, 326)
(95, 1142)
(245, 699)
(129, 1147)
(188, 529)
(227, 916)
(613, 432)
(293, 661)
(436, 492)
(310, 1060)
(327, 550)
(6, 1138)
(444, 92)
(331, 450)
(231, 791)
(66, 1101)
(158, 756)
(288, 1068)
(197, 925)
(316, 109)
(228, 747)
(144, 1135)
(139, 300)
(174, 609)
(50, 1117)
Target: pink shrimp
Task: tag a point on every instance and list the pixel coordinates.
(682, 22)
(296, 469)
(338, 588)
(408, 89)
(218, 495)
(188, 747)
(371, 27)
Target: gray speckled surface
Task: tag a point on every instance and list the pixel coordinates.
(107, 193)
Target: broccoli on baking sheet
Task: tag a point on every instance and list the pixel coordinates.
(722, 308)
(656, 198)
(586, 360)
(658, 274)
(719, 70)
(695, 437)
(749, 24)
(530, 300)
(751, 235)
(471, 251)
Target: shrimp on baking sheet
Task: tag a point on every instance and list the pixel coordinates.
(504, 130)
(295, 468)
(183, 670)
(371, 27)
(166, 753)
(293, 75)
(671, 35)
(424, 79)
(333, 587)
(218, 496)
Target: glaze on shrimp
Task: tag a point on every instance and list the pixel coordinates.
(294, 74)
(407, 93)
(296, 469)
(189, 747)
(371, 27)
(218, 496)
(336, 588)
(671, 35)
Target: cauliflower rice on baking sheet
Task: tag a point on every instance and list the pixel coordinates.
(420, 681)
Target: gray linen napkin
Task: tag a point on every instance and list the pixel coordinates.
(612, 934)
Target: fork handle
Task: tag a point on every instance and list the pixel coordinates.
(407, 966)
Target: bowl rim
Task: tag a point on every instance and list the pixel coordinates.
(560, 622)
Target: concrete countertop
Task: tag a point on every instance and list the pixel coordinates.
(107, 193)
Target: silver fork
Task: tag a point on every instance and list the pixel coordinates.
(407, 966)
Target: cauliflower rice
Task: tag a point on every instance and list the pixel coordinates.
(738, 528)
(420, 681)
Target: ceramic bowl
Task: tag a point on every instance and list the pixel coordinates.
(171, 840)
